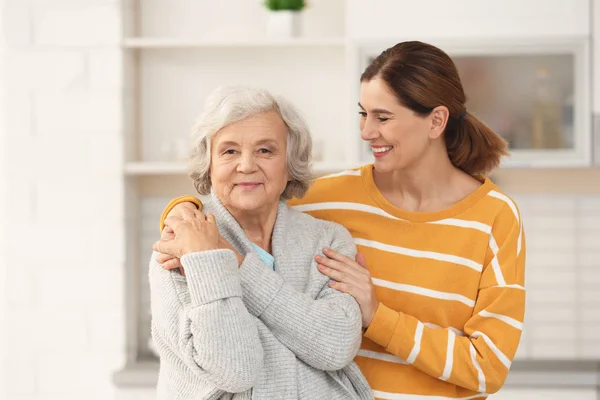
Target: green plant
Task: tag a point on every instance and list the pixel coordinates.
(280, 5)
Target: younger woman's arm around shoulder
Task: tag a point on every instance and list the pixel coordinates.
(324, 332)
(479, 358)
(200, 319)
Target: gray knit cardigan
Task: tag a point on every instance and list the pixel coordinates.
(224, 332)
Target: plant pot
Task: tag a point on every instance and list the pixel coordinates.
(283, 24)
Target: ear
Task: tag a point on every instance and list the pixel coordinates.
(439, 119)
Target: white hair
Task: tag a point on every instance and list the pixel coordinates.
(229, 104)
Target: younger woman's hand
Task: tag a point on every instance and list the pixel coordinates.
(352, 277)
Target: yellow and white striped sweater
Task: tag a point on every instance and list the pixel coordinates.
(450, 286)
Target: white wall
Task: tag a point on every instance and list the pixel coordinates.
(467, 19)
(65, 246)
(63, 219)
(596, 60)
(2, 217)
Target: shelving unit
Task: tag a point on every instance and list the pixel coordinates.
(174, 56)
(176, 52)
(180, 169)
(175, 43)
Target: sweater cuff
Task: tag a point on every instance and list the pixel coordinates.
(173, 203)
(211, 275)
(383, 325)
(260, 284)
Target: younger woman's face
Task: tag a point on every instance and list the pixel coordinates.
(398, 136)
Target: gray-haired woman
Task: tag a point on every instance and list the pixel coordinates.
(252, 316)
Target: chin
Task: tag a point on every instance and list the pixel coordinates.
(382, 166)
(248, 204)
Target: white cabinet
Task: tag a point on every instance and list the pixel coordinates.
(436, 19)
(175, 53)
(596, 78)
(535, 93)
(596, 52)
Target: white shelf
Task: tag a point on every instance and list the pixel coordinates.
(174, 43)
(155, 168)
(180, 168)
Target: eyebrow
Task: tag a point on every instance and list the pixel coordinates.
(266, 141)
(377, 110)
(259, 143)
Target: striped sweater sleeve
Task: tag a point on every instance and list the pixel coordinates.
(479, 357)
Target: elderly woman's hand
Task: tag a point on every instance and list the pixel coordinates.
(194, 232)
(168, 261)
(352, 277)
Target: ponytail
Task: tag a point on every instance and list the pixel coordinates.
(472, 146)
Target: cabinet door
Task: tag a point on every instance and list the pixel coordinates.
(401, 19)
(534, 93)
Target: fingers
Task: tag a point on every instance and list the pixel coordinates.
(345, 266)
(167, 234)
(174, 263)
(188, 214)
(210, 218)
(334, 255)
(163, 258)
(173, 223)
(360, 260)
(338, 275)
(166, 247)
(346, 288)
(179, 208)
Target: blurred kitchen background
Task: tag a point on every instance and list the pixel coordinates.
(99, 97)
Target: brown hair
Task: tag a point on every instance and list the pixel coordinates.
(424, 77)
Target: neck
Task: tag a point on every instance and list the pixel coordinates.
(423, 186)
(258, 226)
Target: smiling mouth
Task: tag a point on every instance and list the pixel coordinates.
(381, 149)
(248, 185)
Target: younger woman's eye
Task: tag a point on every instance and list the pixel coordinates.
(382, 119)
(362, 114)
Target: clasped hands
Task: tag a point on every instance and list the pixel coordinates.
(188, 230)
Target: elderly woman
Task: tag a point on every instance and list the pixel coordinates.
(250, 315)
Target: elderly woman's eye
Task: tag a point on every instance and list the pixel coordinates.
(229, 151)
(264, 150)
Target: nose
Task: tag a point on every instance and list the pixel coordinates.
(368, 130)
(247, 163)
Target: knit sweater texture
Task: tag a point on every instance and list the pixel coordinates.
(251, 332)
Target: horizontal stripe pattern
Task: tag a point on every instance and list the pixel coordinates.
(434, 294)
(381, 356)
(337, 205)
(503, 358)
(334, 205)
(428, 270)
(449, 258)
(507, 320)
(400, 396)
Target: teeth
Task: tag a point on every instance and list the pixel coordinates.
(381, 149)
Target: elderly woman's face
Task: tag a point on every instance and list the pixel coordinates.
(248, 163)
